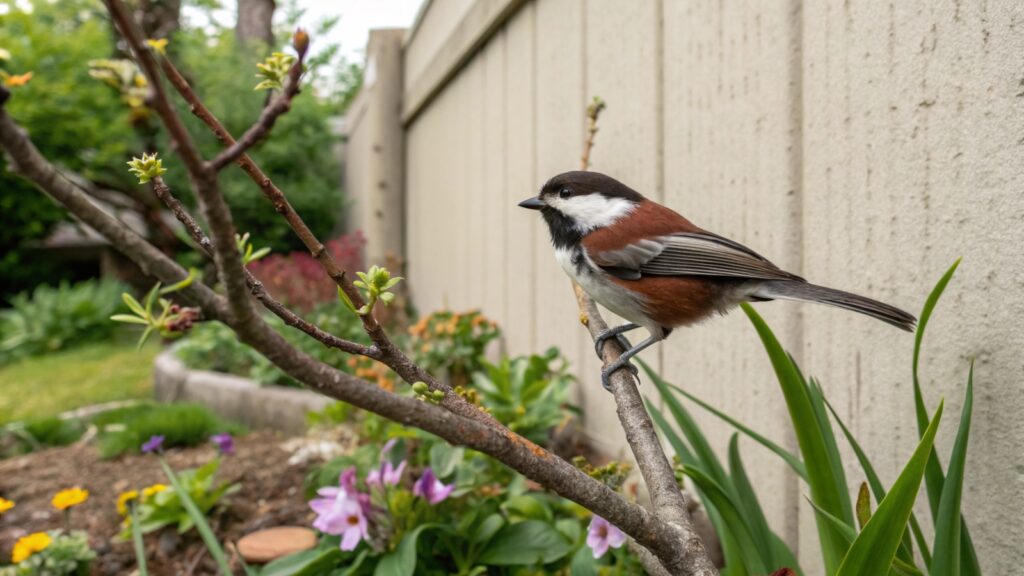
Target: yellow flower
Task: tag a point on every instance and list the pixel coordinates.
(29, 545)
(158, 45)
(18, 79)
(151, 490)
(123, 499)
(71, 497)
(5, 505)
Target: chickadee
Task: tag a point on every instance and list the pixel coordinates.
(658, 270)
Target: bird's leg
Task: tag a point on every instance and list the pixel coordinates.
(616, 332)
(623, 361)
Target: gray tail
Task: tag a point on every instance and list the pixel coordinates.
(804, 292)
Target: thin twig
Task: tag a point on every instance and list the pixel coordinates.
(278, 107)
(666, 497)
(163, 192)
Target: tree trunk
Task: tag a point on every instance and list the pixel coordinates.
(254, 21)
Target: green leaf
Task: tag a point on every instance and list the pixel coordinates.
(875, 547)
(947, 544)
(488, 528)
(528, 507)
(820, 469)
(197, 517)
(129, 319)
(151, 297)
(402, 560)
(701, 447)
(863, 505)
(346, 301)
(746, 500)
(185, 283)
(875, 483)
(308, 563)
(754, 555)
(524, 544)
(934, 476)
(790, 458)
(848, 531)
(133, 304)
(445, 458)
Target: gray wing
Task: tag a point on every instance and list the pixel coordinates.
(689, 254)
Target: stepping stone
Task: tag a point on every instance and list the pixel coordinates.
(270, 544)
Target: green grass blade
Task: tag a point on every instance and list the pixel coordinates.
(899, 566)
(792, 459)
(753, 555)
(934, 476)
(746, 500)
(828, 435)
(820, 476)
(906, 552)
(137, 544)
(875, 547)
(688, 426)
(199, 519)
(947, 523)
(682, 450)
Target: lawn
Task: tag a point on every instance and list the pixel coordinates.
(47, 385)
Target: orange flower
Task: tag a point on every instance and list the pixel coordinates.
(26, 546)
(18, 79)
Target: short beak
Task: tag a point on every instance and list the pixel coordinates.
(533, 203)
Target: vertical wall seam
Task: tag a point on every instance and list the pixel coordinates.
(796, 225)
(659, 124)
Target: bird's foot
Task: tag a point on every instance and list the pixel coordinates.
(607, 372)
(606, 335)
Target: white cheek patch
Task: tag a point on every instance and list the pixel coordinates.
(592, 211)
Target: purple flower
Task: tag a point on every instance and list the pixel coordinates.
(387, 447)
(602, 535)
(388, 474)
(340, 514)
(430, 488)
(225, 443)
(154, 444)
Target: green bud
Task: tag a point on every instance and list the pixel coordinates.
(147, 167)
(420, 388)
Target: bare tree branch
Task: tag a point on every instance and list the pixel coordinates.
(666, 497)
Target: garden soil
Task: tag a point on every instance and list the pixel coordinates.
(271, 495)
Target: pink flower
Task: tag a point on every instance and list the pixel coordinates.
(342, 510)
(388, 474)
(224, 442)
(602, 535)
(431, 489)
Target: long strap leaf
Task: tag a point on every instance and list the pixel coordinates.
(875, 547)
(947, 522)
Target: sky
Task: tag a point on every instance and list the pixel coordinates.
(352, 30)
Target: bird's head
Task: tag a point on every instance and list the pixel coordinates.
(576, 203)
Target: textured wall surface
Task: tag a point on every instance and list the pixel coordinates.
(863, 144)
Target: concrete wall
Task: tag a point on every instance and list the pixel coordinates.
(373, 153)
(863, 144)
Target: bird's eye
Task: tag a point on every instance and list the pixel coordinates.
(565, 192)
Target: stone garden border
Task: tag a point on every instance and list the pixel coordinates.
(235, 398)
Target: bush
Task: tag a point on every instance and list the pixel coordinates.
(125, 430)
(451, 345)
(51, 319)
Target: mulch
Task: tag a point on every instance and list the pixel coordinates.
(271, 495)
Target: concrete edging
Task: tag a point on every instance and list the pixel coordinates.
(233, 397)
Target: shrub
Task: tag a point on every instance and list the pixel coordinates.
(451, 345)
(53, 554)
(50, 319)
(125, 430)
(24, 437)
(297, 280)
